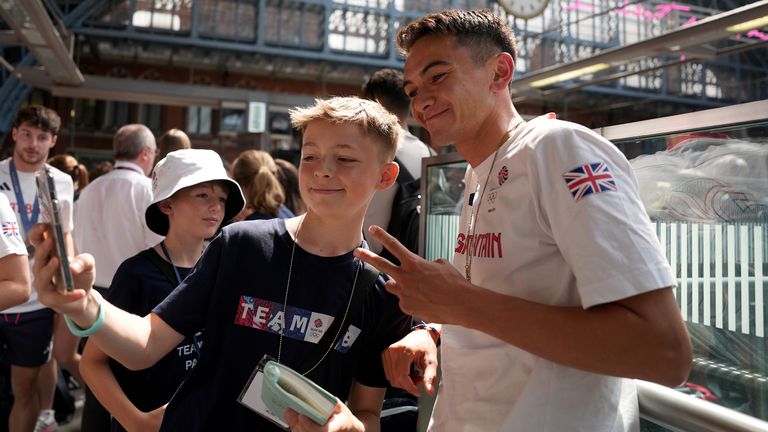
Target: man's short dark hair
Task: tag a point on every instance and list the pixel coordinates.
(39, 117)
(386, 87)
(485, 33)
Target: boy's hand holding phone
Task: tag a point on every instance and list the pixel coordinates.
(79, 305)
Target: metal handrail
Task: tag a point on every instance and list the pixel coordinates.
(683, 413)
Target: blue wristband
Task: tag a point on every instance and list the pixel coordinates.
(81, 332)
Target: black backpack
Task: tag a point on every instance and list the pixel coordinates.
(406, 208)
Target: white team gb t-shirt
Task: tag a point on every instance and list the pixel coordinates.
(65, 192)
(560, 223)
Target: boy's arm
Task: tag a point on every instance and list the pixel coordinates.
(365, 403)
(640, 337)
(14, 280)
(134, 341)
(95, 369)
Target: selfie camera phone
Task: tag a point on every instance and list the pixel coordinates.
(46, 192)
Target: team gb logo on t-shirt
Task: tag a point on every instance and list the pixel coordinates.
(503, 175)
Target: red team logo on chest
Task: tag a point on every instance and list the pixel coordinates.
(503, 175)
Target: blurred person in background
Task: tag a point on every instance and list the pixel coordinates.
(109, 223)
(385, 86)
(100, 169)
(256, 173)
(289, 179)
(69, 165)
(172, 140)
(27, 329)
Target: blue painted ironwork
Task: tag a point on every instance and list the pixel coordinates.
(320, 37)
(327, 34)
(13, 92)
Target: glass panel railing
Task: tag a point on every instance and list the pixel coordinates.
(706, 193)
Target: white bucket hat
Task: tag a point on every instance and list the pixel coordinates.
(185, 168)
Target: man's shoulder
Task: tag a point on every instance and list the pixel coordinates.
(119, 177)
(548, 135)
(60, 176)
(548, 125)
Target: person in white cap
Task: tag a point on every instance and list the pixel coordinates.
(193, 197)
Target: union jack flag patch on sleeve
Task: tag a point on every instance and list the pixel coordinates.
(11, 229)
(590, 178)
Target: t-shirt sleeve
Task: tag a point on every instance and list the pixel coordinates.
(186, 308)
(390, 325)
(124, 288)
(588, 195)
(10, 239)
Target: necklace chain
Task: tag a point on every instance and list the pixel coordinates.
(473, 216)
(285, 306)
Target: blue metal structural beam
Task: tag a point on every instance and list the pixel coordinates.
(13, 92)
(343, 34)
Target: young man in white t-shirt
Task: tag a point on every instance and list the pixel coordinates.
(27, 329)
(558, 291)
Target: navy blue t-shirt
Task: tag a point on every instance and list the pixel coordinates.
(138, 286)
(236, 293)
(283, 212)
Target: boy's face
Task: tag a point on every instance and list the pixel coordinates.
(341, 169)
(31, 146)
(197, 210)
(450, 94)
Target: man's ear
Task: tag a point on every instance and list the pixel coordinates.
(503, 69)
(388, 175)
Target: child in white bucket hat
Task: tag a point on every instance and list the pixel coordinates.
(288, 288)
(193, 197)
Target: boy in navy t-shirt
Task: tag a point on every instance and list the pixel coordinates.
(193, 197)
(270, 287)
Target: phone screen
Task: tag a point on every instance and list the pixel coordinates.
(46, 191)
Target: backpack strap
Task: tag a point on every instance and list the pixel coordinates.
(367, 279)
(404, 176)
(161, 264)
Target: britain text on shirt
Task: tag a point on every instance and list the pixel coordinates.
(487, 245)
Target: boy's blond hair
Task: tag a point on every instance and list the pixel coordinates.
(369, 116)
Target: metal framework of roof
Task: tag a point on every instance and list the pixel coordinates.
(670, 51)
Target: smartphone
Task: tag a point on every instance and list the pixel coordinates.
(46, 192)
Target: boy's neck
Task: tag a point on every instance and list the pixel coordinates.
(325, 237)
(184, 250)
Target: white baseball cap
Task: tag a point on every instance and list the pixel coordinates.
(185, 168)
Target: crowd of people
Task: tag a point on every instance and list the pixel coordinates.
(188, 274)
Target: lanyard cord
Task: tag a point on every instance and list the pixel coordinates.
(285, 306)
(26, 220)
(198, 344)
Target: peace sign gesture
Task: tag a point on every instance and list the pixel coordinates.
(430, 290)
